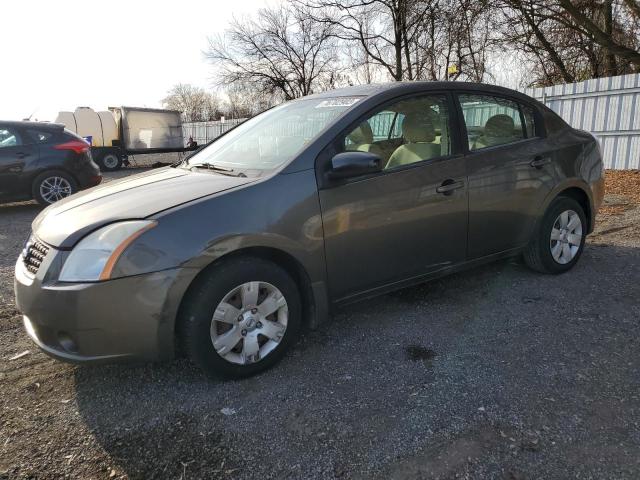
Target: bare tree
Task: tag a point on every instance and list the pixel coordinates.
(382, 28)
(280, 51)
(244, 100)
(561, 47)
(196, 104)
(527, 27)
(454, 33)
(604, 35)
(411, 39)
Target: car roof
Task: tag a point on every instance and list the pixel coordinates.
(29, 124)
(399, 88)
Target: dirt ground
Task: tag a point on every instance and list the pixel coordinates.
(493, 373)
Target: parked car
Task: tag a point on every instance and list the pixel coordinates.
(43, 161)
(321, 201)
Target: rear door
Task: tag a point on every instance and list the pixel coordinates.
(15, 152)
(510, 171)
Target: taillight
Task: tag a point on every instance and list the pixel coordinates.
(78, 146)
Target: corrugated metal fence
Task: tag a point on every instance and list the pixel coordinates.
(607, 107)
(203, 132)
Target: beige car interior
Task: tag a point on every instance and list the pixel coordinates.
(361, 140)
(419, 135)
(422, 134)
(498, 130)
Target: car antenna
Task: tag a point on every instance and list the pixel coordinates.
(29, 117)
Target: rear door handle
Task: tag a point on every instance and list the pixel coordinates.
(540, 161)
(22, 154)
(448, 186)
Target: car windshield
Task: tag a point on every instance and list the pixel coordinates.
(272, 138)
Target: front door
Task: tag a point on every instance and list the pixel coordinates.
(13, 155)
(407, 220)
(509, 172)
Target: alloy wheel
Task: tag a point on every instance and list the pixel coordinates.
(249, 322)
(566, 237)
(55, 188)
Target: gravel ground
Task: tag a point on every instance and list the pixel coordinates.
(494, 373)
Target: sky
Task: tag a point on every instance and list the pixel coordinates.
(58, 55)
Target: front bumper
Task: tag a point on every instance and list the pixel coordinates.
(124, 318)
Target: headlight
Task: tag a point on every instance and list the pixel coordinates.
(94, 257)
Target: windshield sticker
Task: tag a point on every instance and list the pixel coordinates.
(338, 102)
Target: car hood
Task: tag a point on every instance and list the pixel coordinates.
(139, 196)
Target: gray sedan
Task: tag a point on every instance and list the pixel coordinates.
(317, 202)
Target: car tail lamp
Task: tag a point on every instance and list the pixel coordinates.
(78, 146)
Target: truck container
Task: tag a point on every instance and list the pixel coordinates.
(122, 131)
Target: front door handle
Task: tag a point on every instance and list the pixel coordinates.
(22, 154)
(448, 186)
(540, 161)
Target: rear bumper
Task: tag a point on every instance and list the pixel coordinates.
(87, 172)
(88, 179)
(126, 318)
(597, 191)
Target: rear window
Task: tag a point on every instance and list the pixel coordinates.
(491, 120)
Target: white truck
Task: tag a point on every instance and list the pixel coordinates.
(122, 131)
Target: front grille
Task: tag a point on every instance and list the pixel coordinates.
(33, 255)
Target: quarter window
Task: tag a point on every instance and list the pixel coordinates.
(38, 136)
(9, 138)
(406, 132)
(491, 121)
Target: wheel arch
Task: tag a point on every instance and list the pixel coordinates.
(577, 190)
(580, 196)
(292, 266)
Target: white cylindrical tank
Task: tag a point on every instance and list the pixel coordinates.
(68, 119)
(99, 126)
(109, 129)
(89, 125)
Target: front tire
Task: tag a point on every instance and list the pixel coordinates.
(559, 241)
(240, 318)
(53, 185)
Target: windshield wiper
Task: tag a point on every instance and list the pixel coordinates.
(211, 166)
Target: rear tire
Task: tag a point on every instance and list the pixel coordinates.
(53, 185)
(229, 337)
(110, 162)
(559, 240)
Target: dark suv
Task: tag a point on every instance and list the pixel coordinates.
(43, 161)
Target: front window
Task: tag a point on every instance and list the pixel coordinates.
(272, 138)
(409, 131)
(9, 138)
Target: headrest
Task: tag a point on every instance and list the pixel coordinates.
(418, 128)
(362, 134)
(499, 126)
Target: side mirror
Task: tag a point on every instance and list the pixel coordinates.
(353, 164)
